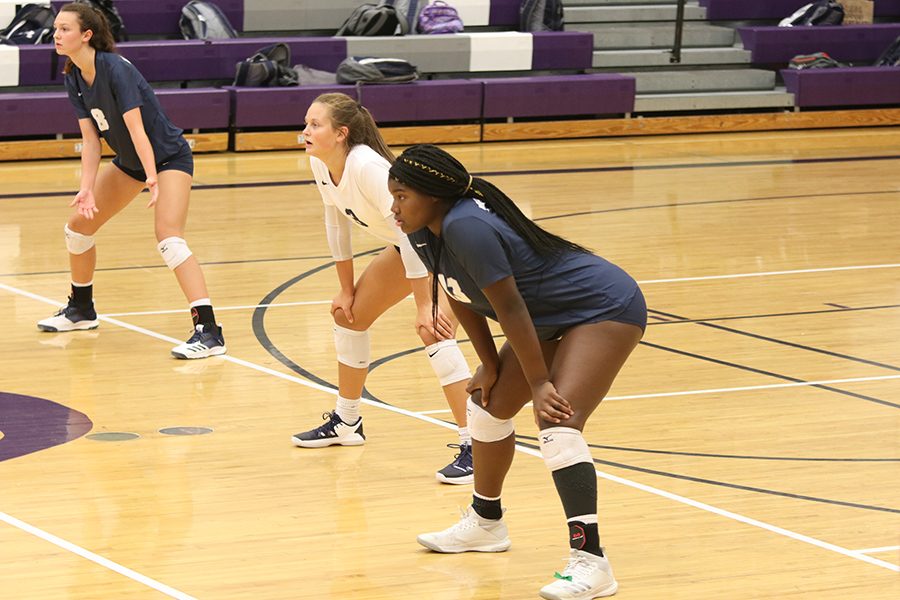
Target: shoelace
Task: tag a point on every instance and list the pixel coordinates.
(460, 453)
(468, 521)
(577, 565)
(328, 427)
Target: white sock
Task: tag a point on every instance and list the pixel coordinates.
(465, 439)
(348, 410)
(201, 302)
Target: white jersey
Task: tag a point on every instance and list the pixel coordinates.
(362, 197)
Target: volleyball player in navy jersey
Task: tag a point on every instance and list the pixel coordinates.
(112, 100)
(571, 320)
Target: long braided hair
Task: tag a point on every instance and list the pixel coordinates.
(91, 19)
(434, 172)
(361, 128)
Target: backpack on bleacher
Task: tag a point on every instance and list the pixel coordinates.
(373, 19)
(541, 15)
(439, 17)
(33, 24)
(822, 12)
(268, 67)
(120, 34)
(204, 21)
(355, 69)
(891, 55)
(817, 60)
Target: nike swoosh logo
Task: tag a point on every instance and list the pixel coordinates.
(421, 245)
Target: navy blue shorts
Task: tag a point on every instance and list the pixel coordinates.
(635, 314)
(183, 161)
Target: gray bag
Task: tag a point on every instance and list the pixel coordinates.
(204, 21)
(355, 69)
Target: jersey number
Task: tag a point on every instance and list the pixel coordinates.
(452, 287)
(100, 118)
(353, 216)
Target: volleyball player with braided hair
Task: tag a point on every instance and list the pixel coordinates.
(571, 320)
(350, 162)
(112, 100)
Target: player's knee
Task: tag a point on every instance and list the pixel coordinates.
(352, 347)
(174, 251)
(563, 447)
(485, 427)
(77, 243)
(448, 362)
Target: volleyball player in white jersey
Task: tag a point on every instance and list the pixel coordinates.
(350, 162)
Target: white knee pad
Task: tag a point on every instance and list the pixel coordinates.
(448, 362)
(352, 347)
(485, 427)
(174, 251)
(77, 243)
(563, 447)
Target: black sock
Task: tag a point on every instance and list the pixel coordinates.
(487, 509)
(203, 315)
(585, 536)
(83, 296)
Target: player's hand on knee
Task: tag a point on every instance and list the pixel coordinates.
(440, 329)
(343, 302)
(483, 380)
(84, 204)
(549, 405)
(153, 188)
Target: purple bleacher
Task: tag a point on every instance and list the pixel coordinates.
(736, 10)
(504, 13)
(887, 8)
(277, 107)
(562, 50)
(847, 43)
(185, 60)
(36, 114)
(423, 101)
(160, 17)
(556, 95)
(47, 113)
(849, 86)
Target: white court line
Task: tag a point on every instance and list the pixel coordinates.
(105, 562)
(771, 273)
(882, 549)
(746, 388)
(627, 482)
(218, 308)
(645, 282)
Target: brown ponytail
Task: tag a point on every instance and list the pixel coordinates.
(361, 128)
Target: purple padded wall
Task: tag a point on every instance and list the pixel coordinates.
(198, 108)
(504, 12)
(846, 43)
(853, 86)
(438, 100)
(562, 50)
(324, 53)
(160, 17)
(278, 107)
(558, 95)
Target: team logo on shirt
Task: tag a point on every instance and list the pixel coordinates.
(452, 287)
(100, 118)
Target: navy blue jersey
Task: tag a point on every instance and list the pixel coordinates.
(480, 249)
(119, 87)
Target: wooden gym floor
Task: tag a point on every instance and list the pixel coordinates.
(749, 449)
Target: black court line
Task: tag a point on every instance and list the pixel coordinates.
(773, 340)
(725, 484)
(259, 327)
(836, 305)
(620, 168)
(769, 374)
(731, 456)
(770, 315)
